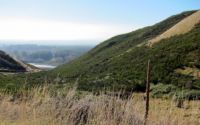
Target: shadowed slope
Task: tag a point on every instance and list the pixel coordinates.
(8, 64)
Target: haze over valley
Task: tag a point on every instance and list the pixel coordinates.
(49, 55)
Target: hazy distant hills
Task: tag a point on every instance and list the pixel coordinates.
(121, 61)
(43, 54)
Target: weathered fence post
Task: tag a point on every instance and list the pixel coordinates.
(147, 93)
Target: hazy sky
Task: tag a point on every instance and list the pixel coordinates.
(82, 21)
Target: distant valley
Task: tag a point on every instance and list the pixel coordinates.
(41, 55)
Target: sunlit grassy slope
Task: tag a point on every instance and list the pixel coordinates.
(182, 27)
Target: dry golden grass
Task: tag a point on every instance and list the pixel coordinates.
(182, 27)
(40, 107)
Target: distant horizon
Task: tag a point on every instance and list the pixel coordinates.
(48, 42)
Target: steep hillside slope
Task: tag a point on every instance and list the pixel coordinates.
(8, 64)
(120, 62)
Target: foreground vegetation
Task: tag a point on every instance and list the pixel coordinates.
(60, 105)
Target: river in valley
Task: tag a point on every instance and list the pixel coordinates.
(43, 66)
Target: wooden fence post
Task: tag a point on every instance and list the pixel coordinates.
(147, 93)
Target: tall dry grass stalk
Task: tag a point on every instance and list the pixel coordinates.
(44, 106)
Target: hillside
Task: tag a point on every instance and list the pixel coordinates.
(120, 62)
(8, 64)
